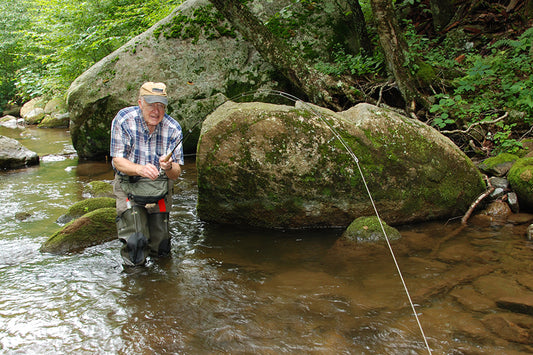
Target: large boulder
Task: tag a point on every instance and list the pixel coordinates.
(202, 60)
(279, 166)
(14, 155)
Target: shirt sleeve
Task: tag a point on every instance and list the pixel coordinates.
(120, 144)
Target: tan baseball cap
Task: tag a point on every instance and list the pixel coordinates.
(154, 92)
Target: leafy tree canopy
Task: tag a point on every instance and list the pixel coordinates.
(46, 44)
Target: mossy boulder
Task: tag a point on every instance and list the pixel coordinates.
(279, 166)
(498, 165)
(521, 180)
(203, 61)
(84, 206)
(55, 120)
(93, 228)
(368, 229)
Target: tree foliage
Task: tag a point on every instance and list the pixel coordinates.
(470, 79)
(51, 42)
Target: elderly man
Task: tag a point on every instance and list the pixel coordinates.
(141, 138)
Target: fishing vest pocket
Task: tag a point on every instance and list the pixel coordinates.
(143, 190)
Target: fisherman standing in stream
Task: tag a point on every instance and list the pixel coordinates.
(141, 138)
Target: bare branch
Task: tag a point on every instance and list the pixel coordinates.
(481, 197)
(476, 124)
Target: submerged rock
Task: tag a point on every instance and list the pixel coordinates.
(279, 166)
(93, 228)
(99, 189)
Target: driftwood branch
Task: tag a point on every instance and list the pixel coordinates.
(476, 124)
(490, 189)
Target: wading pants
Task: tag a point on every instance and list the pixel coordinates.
(142, 229)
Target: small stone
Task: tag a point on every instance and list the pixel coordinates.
(512, 200)
(499, 182)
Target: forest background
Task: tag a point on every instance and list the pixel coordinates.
(472, 73)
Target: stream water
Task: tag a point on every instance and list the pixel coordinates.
(242, 291)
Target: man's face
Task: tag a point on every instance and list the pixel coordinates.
(152, 113)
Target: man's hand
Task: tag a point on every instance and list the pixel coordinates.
(148, 171)
(132, 169)
(165, 164)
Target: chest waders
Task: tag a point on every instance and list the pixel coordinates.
(143, 226)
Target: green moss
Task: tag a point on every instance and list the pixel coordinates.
(91, 229)
(502, 158)
(521, 181)
(426, 74)
(204, 21)
(368, 229)
(84, 206)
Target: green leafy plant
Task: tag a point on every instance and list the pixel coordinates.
(63, 38)
(358, 65)
(495, 83)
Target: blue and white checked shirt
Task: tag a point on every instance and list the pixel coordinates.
(131, 139)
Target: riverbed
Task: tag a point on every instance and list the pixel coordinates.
(234, 290)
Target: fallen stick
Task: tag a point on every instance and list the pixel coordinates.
(490, 189)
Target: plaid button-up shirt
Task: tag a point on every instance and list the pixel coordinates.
(131, 139)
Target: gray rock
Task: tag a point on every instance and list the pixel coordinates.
(14, 155)
(280, 166)
(512, 200)
(499, 182)
(35, 116)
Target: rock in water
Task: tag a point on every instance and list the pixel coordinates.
(279, 166)
(14, 155)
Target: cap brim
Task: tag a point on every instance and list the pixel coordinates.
(152, 99)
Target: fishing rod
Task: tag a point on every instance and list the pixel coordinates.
(295, 99)
(183, 138)
(245, 94)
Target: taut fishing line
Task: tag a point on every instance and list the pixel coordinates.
(295, 99)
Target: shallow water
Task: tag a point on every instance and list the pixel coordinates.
(231, 290)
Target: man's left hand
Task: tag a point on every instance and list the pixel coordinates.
(166, 165)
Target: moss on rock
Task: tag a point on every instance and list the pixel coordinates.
(93, 228)
(84, 206)
(278, 166)
(498, 165)
(521, 180)
(368, 229)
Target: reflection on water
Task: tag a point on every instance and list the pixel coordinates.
(229, 290)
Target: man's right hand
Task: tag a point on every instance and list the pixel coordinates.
(129, 168)
(148, 171)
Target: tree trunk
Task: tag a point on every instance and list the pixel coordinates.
(321, 89)
(358, 22)
(394, 47)
(442, 12)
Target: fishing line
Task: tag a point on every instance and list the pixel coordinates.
(295, 99)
